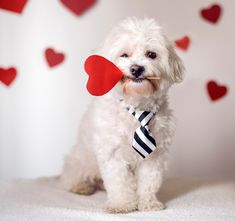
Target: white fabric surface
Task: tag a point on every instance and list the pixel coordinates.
(186, 199)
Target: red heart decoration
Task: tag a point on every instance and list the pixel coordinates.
(78, 6)
(7, 76)
(53, 58)
(216, 91)
(103, 75)
(183, 43)
(211, 14)
(13, 5)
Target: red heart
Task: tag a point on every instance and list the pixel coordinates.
(212, 14)
(7, 76)
(78, 6)
(103, 75)
(53, 58)
(216, 91)
(183, 43)
(13, 5)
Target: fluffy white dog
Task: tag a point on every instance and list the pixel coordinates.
(104, 151)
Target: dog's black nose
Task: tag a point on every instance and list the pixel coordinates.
(136, 70)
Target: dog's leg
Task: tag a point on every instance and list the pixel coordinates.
(80, 173)
(120, 184)
(149, 182)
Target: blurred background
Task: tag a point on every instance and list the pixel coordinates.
(46, 42)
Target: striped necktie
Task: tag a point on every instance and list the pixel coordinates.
(143, 141)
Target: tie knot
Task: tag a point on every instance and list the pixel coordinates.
(143, 117)
(143, 141)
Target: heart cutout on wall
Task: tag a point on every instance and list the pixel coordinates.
(183, 43)
(78, 7)
(103, 75)
(16, 6)
(216, 91)
(53, 57)
(7, 75)
(211, 14)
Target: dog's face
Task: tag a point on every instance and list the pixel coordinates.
(141, 51)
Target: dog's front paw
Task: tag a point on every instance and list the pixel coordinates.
(150, 205)
(120, 206)
(83, 188)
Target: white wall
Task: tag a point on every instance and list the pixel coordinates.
(41, 110)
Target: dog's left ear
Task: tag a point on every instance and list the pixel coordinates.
(176, 67)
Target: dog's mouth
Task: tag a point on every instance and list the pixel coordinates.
(137, 80)
(144, 85)
(134, 79)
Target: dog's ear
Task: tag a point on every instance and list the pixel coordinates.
(108, 48)
(176, 67)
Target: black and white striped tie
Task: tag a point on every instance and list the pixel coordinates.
(143, 141)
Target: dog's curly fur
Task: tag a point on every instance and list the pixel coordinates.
(104, 150)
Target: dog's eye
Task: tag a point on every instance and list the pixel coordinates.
(151, 54)
(125, 55)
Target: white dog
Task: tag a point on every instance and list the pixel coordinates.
(104, 151)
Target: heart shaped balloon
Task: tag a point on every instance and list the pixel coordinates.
(16, 6)
(78, 6)
(53, 57)
(216, 91)
(7, 75)
(103, 75)
(212, 14)
(183, 43)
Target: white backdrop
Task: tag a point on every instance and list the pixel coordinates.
(41, 110)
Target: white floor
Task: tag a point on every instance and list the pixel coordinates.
(186, 199)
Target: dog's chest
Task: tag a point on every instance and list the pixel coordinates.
(116, 120)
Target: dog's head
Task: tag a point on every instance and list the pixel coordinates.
(141, 50)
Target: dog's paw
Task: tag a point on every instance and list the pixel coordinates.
(120, 206)
(84, 188)
(150, 205)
